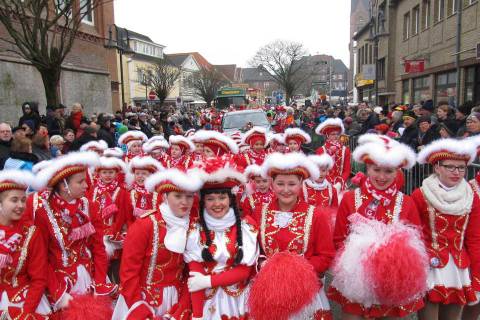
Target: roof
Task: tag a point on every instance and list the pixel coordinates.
(178, 59)
(339, 66)
(229, 70)
(122, 34)
(256, 74)
(362, 30)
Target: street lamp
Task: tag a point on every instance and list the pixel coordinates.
(122, 49)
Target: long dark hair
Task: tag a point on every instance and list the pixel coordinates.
(206, 254)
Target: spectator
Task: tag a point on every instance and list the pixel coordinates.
(30, 112)
(5, 140)
(75, 119)
(418, 110)
(425, 132)
(105, 131)
(41, 144)
(144, 125)
(445, 131)
(473, 124)
(19, 133)
(445, 116)
(370, 122)
(29, 128)
(21, 156)
(461, 114)
(427, 110)
(89, 134)
(54, 121)
(68, 137)
(397, 121)
(410, 133)
(352, 128)
(56, 146)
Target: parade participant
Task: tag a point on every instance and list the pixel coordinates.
(180, 152)
(261, 193)
(295, 138)
(96, 146)
(216, 144)
(378, 199)
(72, 231)
(153, 272)
(256, 138)
(157, 149)
(288, 223)
(141, 200)
(198, 154)
(277, 143)
(113, 201)
(113, 153)
(320, 192)
(133, 140)
(450, 214)
(332, 129)
(221, 249)
(23, 255)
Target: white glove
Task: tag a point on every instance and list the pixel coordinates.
(198, 281)
(193, 318)
(64, 301)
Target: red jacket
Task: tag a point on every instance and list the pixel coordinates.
(341, 162)
(255, 200)
(321, 198)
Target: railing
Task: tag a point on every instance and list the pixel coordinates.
(413, 176)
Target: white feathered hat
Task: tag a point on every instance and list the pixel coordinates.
(385, 153)
(254, 134)
(376, 138)
(111, 163)
(113, 153)
(300, 136)
(130, 137)
(448, 149)
(253, 170)
(276, 138)
(142, 163)
(40, 166)
(290, 164)
(216, 141)
(98, 146)
(153, 145)
(174, 180)
(330, 125)
(16, 180)
(184, 143)
(65, 166)
(218, 173)
(323, 160)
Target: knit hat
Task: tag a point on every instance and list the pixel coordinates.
(428, 105)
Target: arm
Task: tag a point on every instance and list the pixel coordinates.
(472, 243)
(198, 298)
(246, 208)
(334, 198)
(37, 272)
(346, 165)
(97, 247)
(341, 223)
(232, 276)
(321, 251)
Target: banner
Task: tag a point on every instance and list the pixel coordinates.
(414, 66)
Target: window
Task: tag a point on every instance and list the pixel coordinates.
(469, 84)
(451, 7)
(439, 10)
(406, 26)
(446, 87)
(466, 3)
(406, 91)
(425, 14)
(86, 9)
(421, 89)
(340, 77)
(381, 69)
(415, 20)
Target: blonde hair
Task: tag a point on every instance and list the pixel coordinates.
(56, 139)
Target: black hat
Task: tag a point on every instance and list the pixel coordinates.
(428, 105)
(466, 108)
(424, 119)
(60, 106)
(409, 114)
(15, 129)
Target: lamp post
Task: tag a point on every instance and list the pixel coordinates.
(122, 49)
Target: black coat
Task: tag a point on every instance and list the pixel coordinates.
(429, 136)
(84, 138)
(409, 137)
(105, 135)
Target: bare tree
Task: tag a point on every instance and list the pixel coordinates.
(283, 60)
(206, 83)
(161, 78)
(43, 33)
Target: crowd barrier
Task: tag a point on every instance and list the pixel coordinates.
(413, 176)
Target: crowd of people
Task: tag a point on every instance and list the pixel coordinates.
(158, 215)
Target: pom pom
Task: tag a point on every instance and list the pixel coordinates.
(88, 307)
(286, 286)
(358, 179)
(381, 264)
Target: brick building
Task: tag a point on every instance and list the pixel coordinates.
(89, 73)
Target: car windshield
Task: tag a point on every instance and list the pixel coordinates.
(237, 121)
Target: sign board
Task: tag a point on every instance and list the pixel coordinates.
(152, 95)
(231, 92)
(414, 66)
(478, 50)
(178, 102)
(368, 71)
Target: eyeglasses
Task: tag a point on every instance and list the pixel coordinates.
(452, 168)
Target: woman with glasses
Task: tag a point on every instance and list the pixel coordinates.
(449, 210)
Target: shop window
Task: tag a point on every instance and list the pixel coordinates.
(421, 89)
(445, 88)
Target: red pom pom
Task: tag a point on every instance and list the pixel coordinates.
(398, 271)
(358, 179)
(88, 307)
(285, 285)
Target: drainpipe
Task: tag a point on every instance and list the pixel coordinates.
(458, 45)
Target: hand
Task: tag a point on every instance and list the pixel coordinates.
(64, 301)
(198, 281)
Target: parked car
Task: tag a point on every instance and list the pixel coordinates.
(241, 120)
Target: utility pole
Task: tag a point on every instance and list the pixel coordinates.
(458, 45)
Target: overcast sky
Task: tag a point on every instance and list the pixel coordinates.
(230, 32)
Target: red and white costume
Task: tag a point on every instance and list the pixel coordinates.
(220, 145)
(227, 296)
(335, 149)
(157, 149)
(72, 233)
(304, 230)
(389, 206)
(153, 272)
(185, 161)
(22, 261)
(129, 138)
(321, 194)
(251, 156)
(450, 220)
(256, 198)
(298, 135)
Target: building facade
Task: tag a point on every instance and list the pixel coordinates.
(359, 16)
(89, 73)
